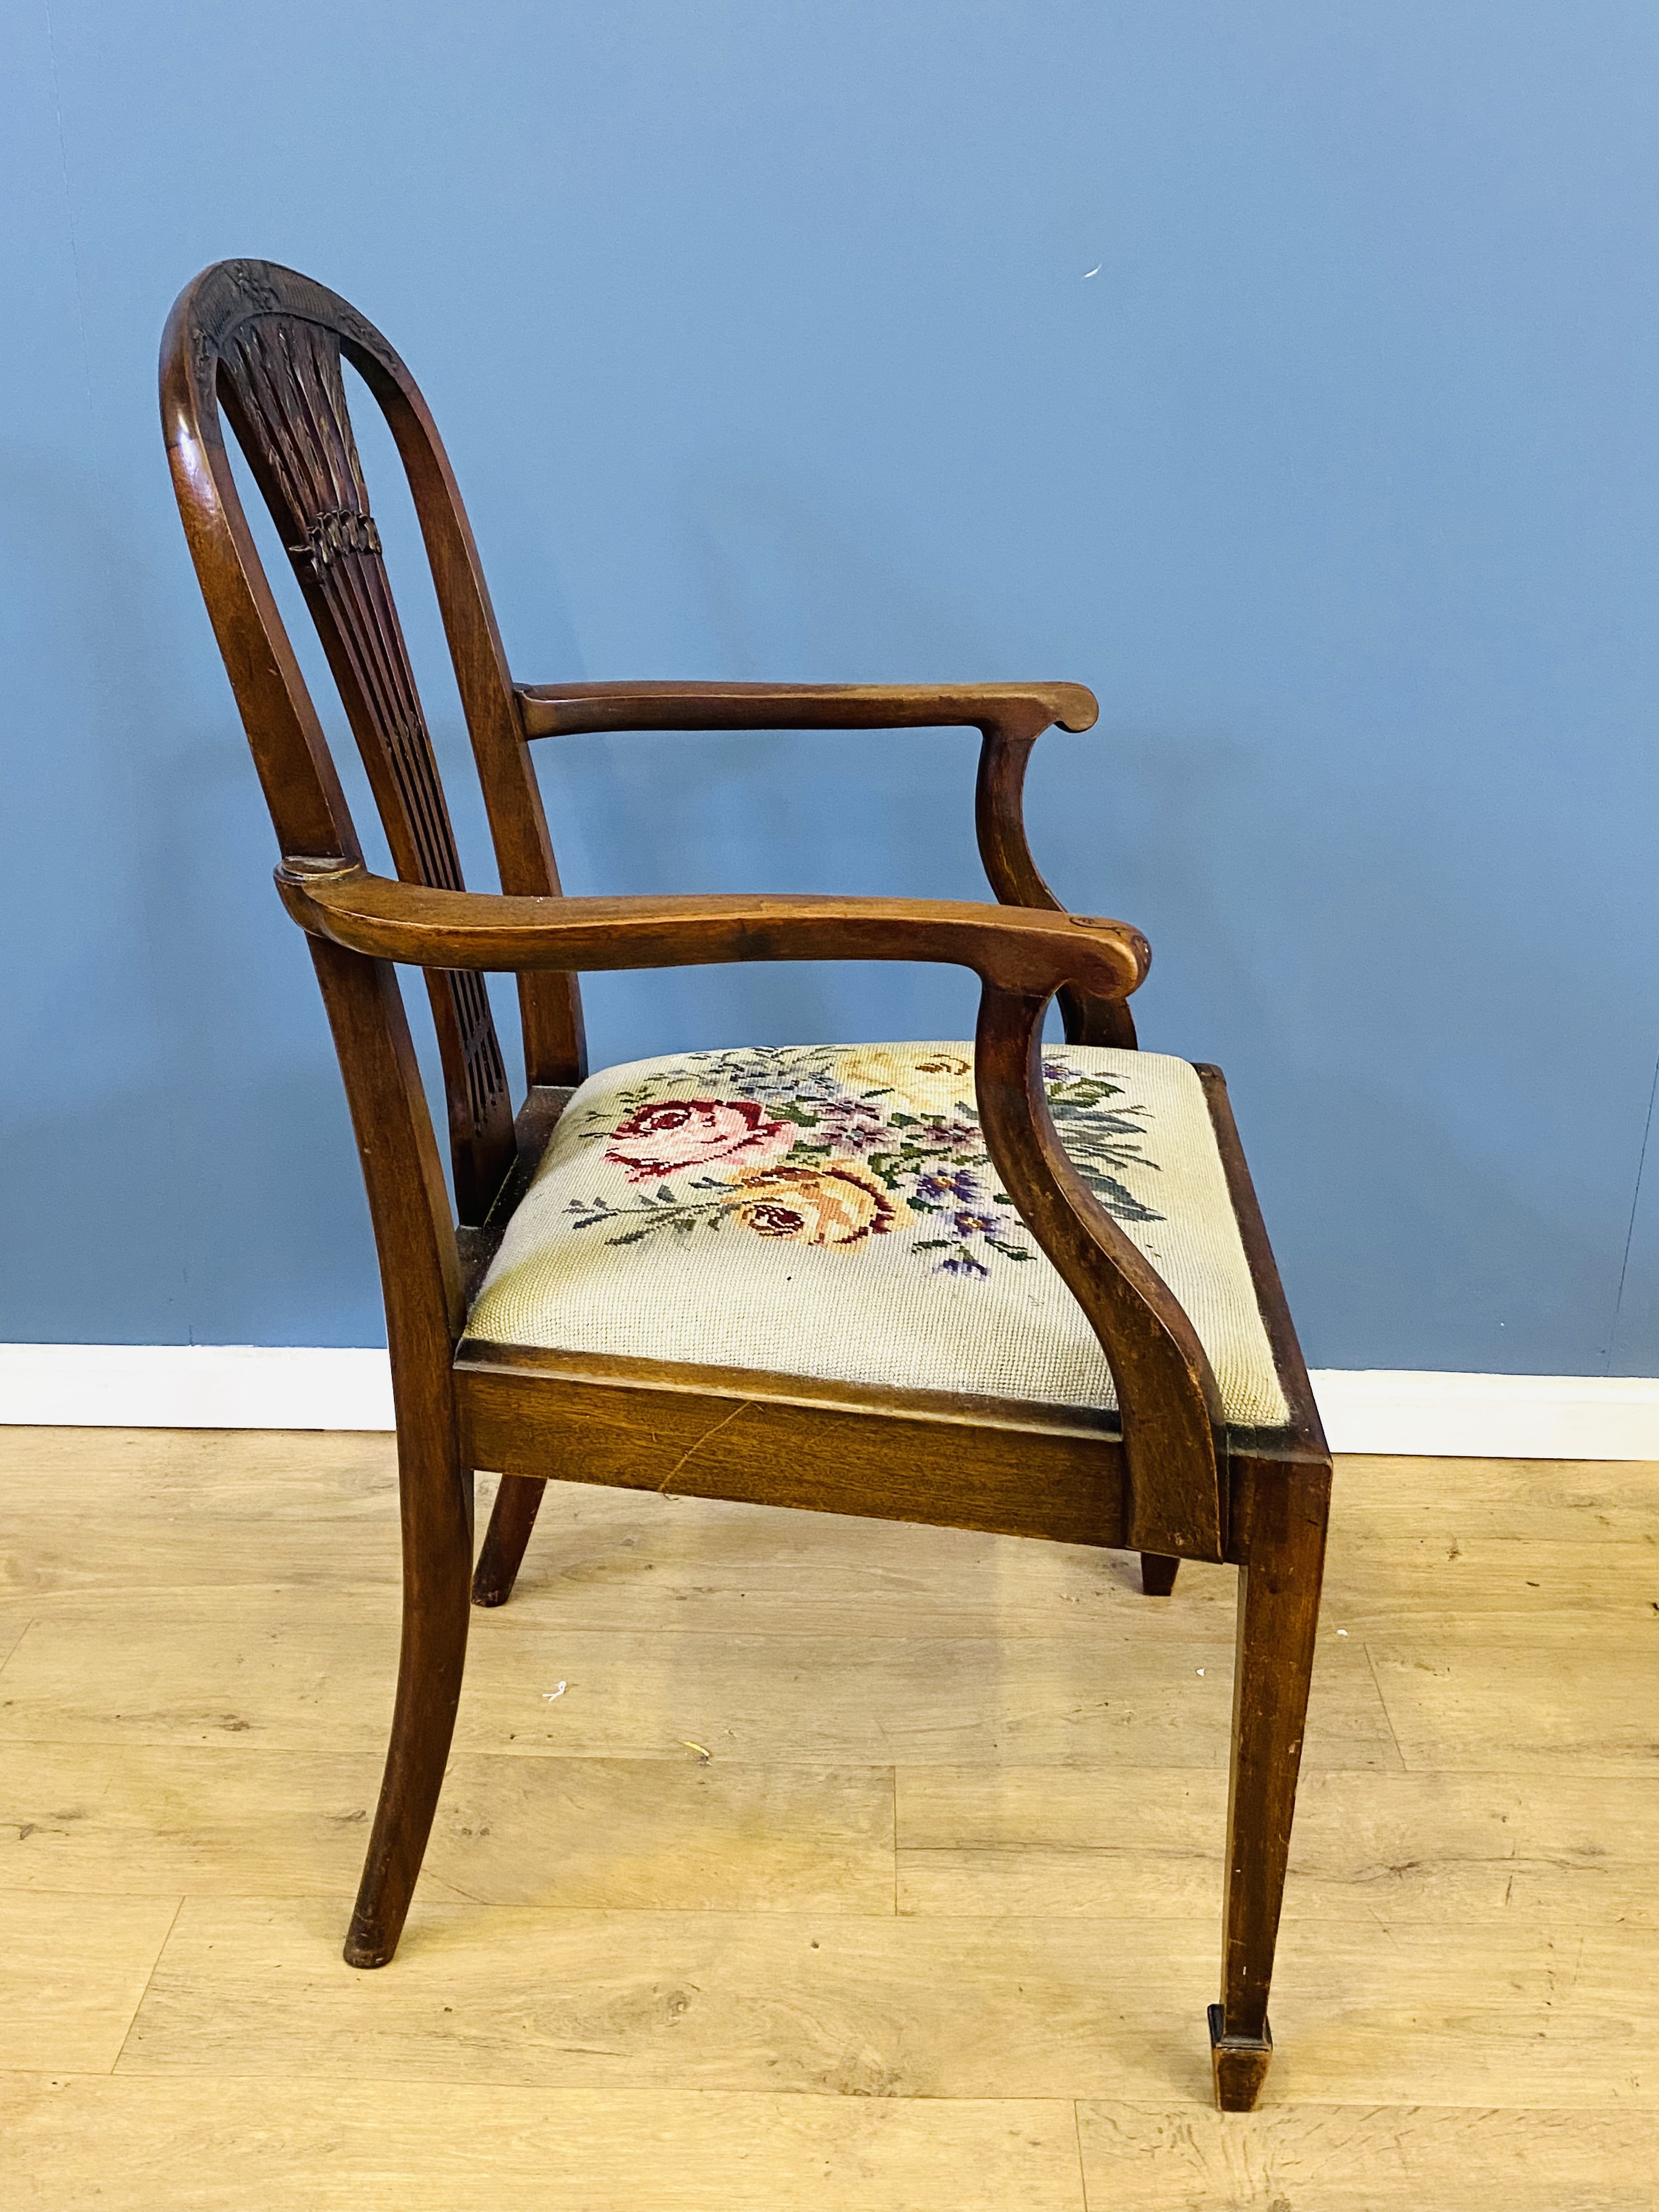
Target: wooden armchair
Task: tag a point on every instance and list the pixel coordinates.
(875, 1280)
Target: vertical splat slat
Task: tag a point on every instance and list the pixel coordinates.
(281, 381)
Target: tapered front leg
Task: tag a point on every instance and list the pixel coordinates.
(437, 1532)
(517, 1503)
(1281, 1513)
(1157, 1574)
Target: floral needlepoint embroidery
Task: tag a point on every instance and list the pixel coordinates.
(684, 1133)
(927, 1083)
(831, 1146)
(838, 1205)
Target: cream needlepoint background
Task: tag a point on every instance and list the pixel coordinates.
(829, 1210)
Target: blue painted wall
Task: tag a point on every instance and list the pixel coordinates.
(764, 345)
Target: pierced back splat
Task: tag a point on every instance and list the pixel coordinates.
(280, 384)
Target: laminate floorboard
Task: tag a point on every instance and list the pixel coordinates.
(853, 1865)
(313, 1669)
(142, 1820)
(1359, 2158)
(304, 2145)
(1423, 1849)
(72, 1970)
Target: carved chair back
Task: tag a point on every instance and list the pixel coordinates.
(267, 346)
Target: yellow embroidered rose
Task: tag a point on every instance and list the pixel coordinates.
(926, 1082)
(838, 1204)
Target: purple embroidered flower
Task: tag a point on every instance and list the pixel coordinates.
(961, 1263)
(960, 1184)
(954, 1136)
(850, 1125)
(974, 1225)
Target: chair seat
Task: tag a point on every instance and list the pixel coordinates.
(829, 1211)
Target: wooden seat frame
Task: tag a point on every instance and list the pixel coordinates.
(1168, 1478)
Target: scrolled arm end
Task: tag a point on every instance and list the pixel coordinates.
(1115, 959)
(1076, 707)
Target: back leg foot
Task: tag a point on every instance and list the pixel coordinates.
(1157, 1574)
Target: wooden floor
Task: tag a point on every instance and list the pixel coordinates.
(795, 1862)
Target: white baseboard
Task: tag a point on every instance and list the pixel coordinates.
(1430, 1415)
(193, 1386)
(174, 1386)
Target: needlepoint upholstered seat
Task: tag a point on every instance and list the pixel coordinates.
(988, 1285)
(830, 1211)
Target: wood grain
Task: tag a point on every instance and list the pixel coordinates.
(1465, 1966)
(169, 1509)
(1533, 1582)
(857, 2007)
(160, 1508)
(72, 1970)
(767, 1439)
(1012, 948)
(13, 1623)
(345, 2145)
(1526, 1702)
(1475, 2014)
(898, 2006)
(567, 709)
(297, 1671)
(1414, 1849)
(1444, 1501)
(139, 1820)
(1368, 2158)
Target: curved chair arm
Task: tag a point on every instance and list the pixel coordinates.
(551, 710)
(1009, 718)
(1011, 950)
(1173, 1438)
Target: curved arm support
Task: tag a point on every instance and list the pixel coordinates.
(999, 820)
(1013, 949)
(1173, 1434)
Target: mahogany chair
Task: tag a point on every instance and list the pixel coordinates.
(871, 1281)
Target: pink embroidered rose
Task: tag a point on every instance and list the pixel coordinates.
(671, 1133)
